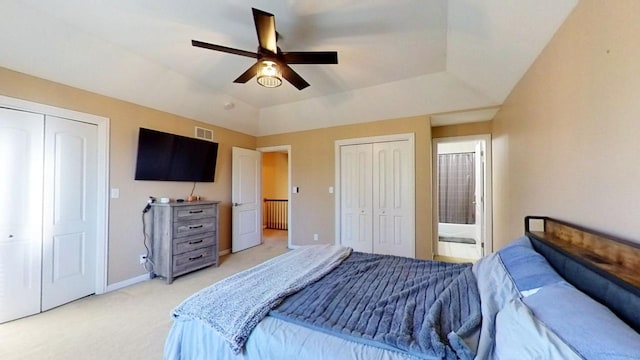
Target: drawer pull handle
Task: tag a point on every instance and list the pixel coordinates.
(195, 242)
(191, 227)
(196, 258)
(196, 211)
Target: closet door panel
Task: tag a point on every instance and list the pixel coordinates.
(393, 198)
(356, 189)
(21, 136)
(69, 239)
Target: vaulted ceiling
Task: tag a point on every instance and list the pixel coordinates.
(396, 58)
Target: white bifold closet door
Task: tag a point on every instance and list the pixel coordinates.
(69, 211)
(21, 154)
(356, 197)
(377, 198)
(48, 212)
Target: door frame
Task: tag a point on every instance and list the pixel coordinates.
(488, 214)
(102, 205)
(365, 140)
(282, 148)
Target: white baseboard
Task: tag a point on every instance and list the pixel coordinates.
(128, 282)
(145, 277)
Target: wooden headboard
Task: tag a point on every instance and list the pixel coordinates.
(617, 257)
(604, 267)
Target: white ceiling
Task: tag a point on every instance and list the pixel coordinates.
(396, 58)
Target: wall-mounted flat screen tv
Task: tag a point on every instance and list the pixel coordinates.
(168, 157)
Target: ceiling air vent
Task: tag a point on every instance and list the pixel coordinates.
(204, 134)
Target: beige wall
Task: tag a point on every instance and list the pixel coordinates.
(313, 170)
(312, 157)
(275, 173)
(565, 144)
(567, 140)
(125, 225)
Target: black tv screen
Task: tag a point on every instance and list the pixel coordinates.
(168, 157)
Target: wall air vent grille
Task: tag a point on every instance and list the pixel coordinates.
(204, 134)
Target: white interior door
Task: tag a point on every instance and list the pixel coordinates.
(21, 149)
(356, 197)
(246, 198)
(69, 221)
(393, 199)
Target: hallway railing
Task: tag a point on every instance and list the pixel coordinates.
(276, 214)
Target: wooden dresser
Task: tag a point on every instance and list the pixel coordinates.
(184, 237)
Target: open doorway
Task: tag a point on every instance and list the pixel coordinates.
(276, 213)
(462, 185)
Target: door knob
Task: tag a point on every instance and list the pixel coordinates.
(236, 204)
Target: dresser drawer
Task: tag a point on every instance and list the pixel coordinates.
(192, 227)
(181, 213)
(193, 242)
(192, 260)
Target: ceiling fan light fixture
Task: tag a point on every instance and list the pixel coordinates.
(269, 75)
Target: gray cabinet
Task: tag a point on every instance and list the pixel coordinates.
(184, 237)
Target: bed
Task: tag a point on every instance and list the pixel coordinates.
(559, 292)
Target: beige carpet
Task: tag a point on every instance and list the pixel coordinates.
(130, 323)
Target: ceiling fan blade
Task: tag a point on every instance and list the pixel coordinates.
(223, 49)
(293, 77)
(266, 30)
(310, 57)
(247, 75)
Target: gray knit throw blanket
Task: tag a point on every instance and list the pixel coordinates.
(235, 305)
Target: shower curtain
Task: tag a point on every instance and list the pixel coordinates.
(456, 188)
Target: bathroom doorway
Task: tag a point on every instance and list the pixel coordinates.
(462, 194)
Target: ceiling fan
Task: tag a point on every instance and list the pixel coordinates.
(273, 64)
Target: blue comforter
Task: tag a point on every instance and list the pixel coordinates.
(423, 308)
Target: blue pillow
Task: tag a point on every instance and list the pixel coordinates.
(527, 269)
(589, 327)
